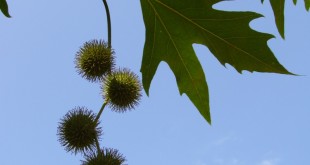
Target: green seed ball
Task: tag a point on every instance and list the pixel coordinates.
(78, 130)
(122, 89)
(94, 60)
(104, 157)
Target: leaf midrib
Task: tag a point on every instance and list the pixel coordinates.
(191, 78)
(202, 28)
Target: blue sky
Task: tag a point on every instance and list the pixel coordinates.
(258, 119)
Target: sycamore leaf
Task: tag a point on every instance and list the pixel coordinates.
(278, 10)
(172, 28)
(307, 4)
(4, 8)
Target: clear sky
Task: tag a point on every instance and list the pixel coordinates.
(258, 119)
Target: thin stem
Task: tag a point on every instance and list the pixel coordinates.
(100, 111)
(98, 146)
(108, 21)
(96, 120)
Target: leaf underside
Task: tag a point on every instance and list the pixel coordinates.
(4, 8)
(172, 28)
(278, 11)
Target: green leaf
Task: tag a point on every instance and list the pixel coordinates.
(172, 28)
(4, 8)
(278, 10)
(307, 4)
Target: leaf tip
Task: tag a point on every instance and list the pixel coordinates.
(4, 8)
(6, 14)
(207, 117)
(146, 85)
(293, 74)
(209, 122)
(146, 89)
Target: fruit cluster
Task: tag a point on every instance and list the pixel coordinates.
(79, 129)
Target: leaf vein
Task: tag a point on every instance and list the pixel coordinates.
(213, 34)
(177, 50)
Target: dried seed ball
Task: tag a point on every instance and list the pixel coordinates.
(122, 89)
(78, 130)
(104, 157)
(94, 60)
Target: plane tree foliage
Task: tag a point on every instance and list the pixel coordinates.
(173, 27)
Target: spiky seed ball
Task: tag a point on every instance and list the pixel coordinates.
(106, 156)
(94, 60)
(122, 89)
(78, 130)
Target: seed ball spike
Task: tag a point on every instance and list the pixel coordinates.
(78, 130)
(106, 156)
(94, 60)
(122, 89)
